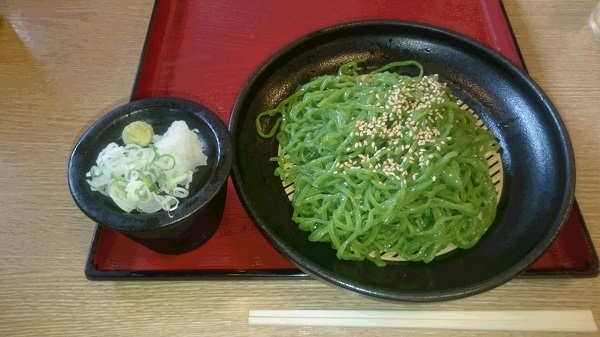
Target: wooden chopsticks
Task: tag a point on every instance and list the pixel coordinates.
(507, 320)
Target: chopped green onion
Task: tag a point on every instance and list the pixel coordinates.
(137, 178)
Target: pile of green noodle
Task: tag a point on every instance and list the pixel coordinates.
(383, 162)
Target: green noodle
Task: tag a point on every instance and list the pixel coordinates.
(383, 162)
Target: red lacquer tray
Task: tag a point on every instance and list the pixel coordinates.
(206, 50)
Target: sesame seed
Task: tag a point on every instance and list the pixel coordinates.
(390, 132)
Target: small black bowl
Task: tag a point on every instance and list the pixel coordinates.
(539, 169)
(198, 216)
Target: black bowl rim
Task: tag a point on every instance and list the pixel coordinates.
(188, 206)
(314, 270)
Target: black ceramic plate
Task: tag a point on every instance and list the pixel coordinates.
(536, 152)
